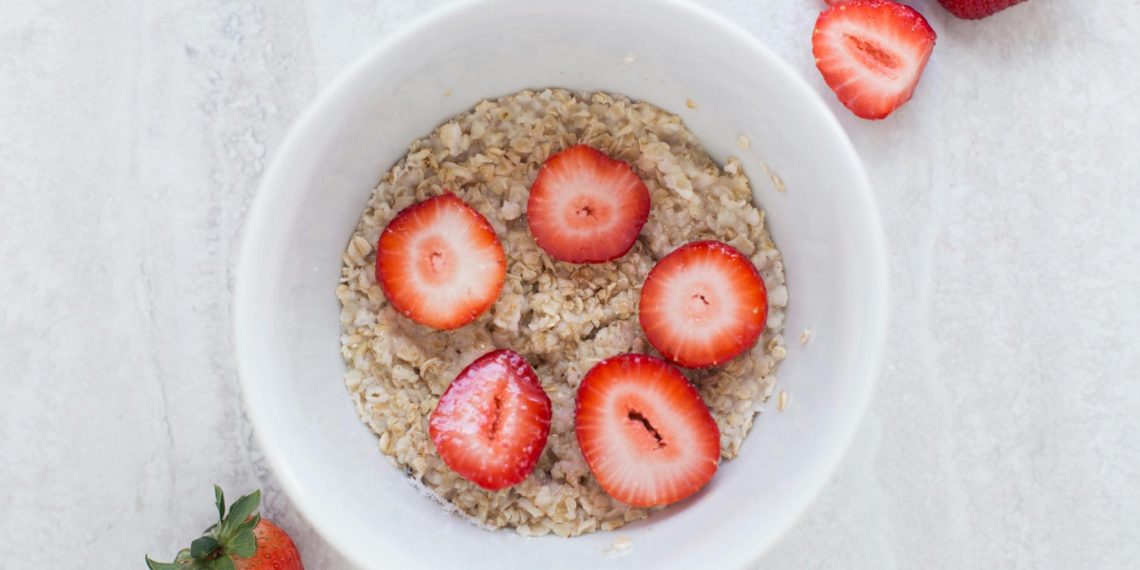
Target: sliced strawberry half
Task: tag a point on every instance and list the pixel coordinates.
(586, 207)
(644, 430)
(491, 423)
(872, 53)
(703, 304)
(440, 263)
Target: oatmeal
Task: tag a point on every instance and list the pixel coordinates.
(563, 318)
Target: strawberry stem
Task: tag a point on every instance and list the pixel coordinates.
(231, 536)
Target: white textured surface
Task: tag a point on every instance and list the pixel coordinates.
(1005, 429)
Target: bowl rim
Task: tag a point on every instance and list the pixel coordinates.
(309, 119)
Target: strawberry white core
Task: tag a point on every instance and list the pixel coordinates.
(583, 201)
(703, 300)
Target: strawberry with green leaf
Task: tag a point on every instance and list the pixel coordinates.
(240, 540)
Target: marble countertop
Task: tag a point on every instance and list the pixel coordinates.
(1005, 428)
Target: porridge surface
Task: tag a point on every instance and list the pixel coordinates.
(563, 318)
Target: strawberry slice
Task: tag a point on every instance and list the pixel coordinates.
(491, 423)
(586, 207)
(871, 53)
(703, 304)
(440, 263)
(645, 431)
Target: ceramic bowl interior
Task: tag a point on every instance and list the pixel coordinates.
(667, 53)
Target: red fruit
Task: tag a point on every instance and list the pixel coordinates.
(275, 550)
(242, 538)
(871, 53)
(586, 207)
(645, 431)
(490, 426)
(976, 9)
(440, 263)
(703, 304)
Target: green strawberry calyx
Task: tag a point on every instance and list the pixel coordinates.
(232, 536)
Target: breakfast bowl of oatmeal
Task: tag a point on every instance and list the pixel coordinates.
(588, 284)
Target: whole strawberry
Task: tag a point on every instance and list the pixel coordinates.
(976, 9)
(240, 540)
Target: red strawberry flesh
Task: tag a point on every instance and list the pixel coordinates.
(703, 304)
(275, 550)
(491, 423)
(644, 431)
(586, 207)
(871, 54)
(976, 9)
(440, 263)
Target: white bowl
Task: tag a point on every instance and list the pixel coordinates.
(287, 327)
